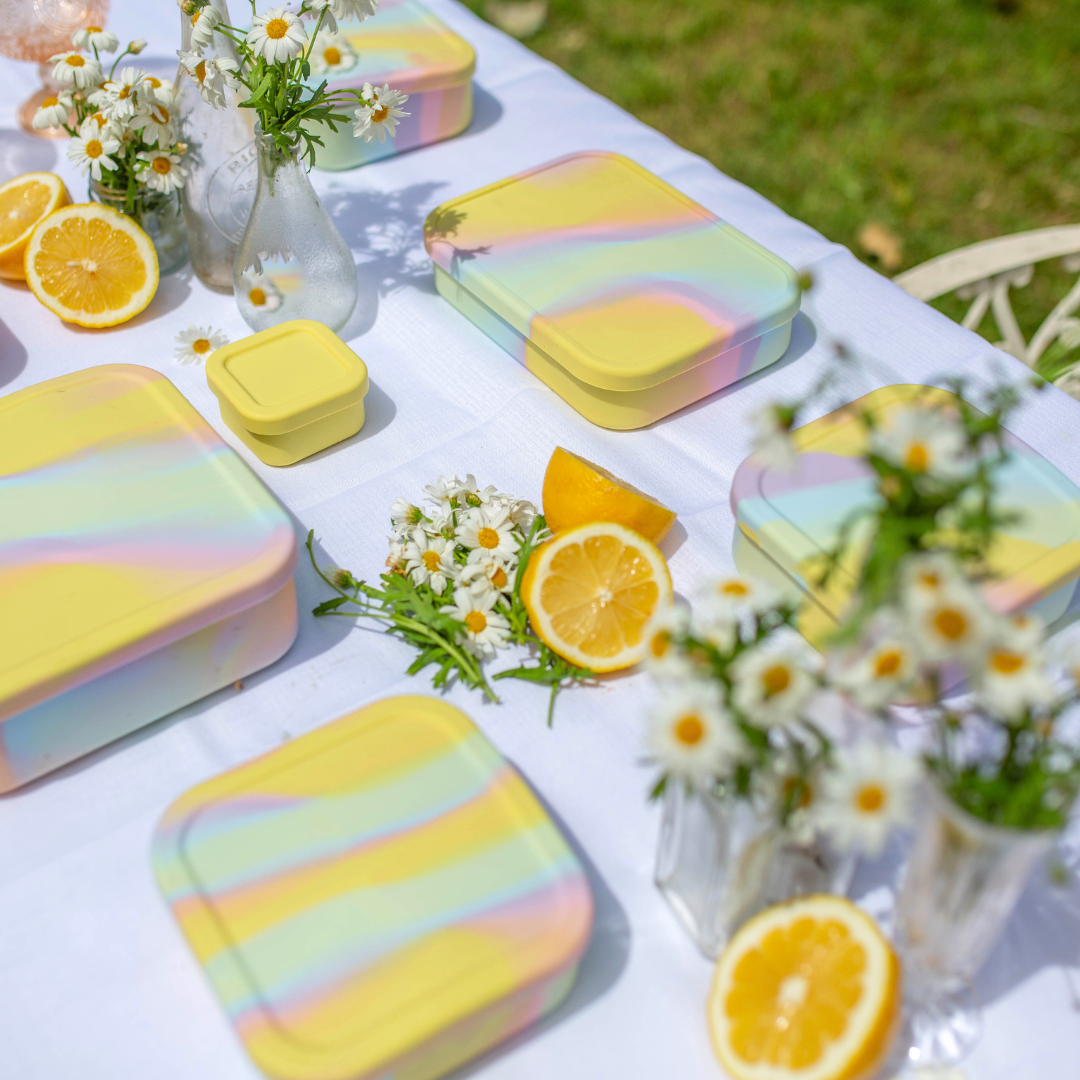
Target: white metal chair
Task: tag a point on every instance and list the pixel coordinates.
(985, 272)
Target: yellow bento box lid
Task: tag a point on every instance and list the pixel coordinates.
(287, 376)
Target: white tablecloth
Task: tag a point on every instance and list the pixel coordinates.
(95, 979)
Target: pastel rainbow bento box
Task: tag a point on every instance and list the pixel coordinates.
(622, 294)
(383, 897)
(787, 520)
(406, 46)
(142, 565)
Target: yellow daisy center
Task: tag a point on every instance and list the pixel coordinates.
(487, 538)
(870, 799)
(475, 622)
(431, 560)
(277, 29)
(775, 680)
(161, 114)
(951, 624)
(917, 457)
(332, 55)
(689, 730)
(888, 663)
(498, 579)
(125, 93)
(734, 588)
(257, 297)
(200, 71)
(380, 114)
(93, 29)
(94, 149)
(155, 83)
(75, 61)
(661, 642)
(200, 346)
(929, 580)
(163, 166)
(49, 102)
(1005, 662)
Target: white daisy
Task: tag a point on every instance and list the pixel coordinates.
(692, 737)
(771, 686)
(203, 24)
(443, 490)
(923, 577)
(522, 513)
(261, 292)
(90, 149)
(733, 598)
(331, 54)
(868, 792)
(379, 114)
(470, 494)
(784, 785)
(405, 516)
(156, 125)
(211, 76)
(773, 444)
(356, 10)
(954, 624)
(75, 69)
(429, 560)
(278, 36)
(122, 97)
(53, 111)
(664, 635)
(485, 629)
(396, 559)
(160, 89)
(490, 573)
(1012, 677)
(94, 37)
(879, 674)
(196, 343)
(135, 47)
(164, 172)
(923, 441)
(488, 531)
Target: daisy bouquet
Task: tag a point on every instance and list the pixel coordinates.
(276, 57)
(452, 586)
(122, 128)
(738, 693)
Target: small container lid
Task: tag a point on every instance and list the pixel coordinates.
(126, 524)
(621, 279)
(406, 46)
(366, 893)
(795, 517)
(287, 376)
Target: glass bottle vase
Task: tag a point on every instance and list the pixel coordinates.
(292, 262)
(159, 216)
(220, 187)
(721, 861)
(962, 881)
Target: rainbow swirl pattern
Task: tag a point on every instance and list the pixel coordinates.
(409, 48)
(382, 897)
(794, 518)
(142, 565)
(618, 279)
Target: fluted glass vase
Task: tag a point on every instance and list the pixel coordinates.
(721, 861)
(292, 262)
(962, 881)
(219, 190)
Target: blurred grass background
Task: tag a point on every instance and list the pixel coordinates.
(934, 123)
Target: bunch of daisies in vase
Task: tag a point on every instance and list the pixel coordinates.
(123, 137)
(770, 788)
(291, 252)
(452, 586)
(935, 564)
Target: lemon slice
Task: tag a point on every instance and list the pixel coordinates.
(807, 990)
(91, 265)
(577, 491)
(591, 590)
(24, 201)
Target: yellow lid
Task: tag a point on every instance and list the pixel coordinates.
(288, 376)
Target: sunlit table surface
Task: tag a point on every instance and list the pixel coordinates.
(95, 979)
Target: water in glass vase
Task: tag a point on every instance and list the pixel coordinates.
(292, 262)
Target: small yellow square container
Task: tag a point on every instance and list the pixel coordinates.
(290, 391)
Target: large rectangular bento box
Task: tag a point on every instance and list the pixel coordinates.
(142, 565)
(623, 295)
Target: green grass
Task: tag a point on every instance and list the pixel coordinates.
(947, 121)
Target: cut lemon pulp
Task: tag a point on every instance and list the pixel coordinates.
(91, 265)
(24, 201)
(591, 590)
(577, 491)
(807, 990)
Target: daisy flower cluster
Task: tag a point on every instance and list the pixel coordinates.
(277, 56)
(734, 716)
(122, 125)
(451, 585)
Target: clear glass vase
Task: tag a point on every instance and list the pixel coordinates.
(219, 190)
(962, 881)
(292, 262)
(721, 861)
(160, 218)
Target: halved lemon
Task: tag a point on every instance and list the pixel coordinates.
(24, 201)
(591, 590)
(577, 491)
(806, 990)
(91, 265)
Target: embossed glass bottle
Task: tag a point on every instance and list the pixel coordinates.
(217, 196)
